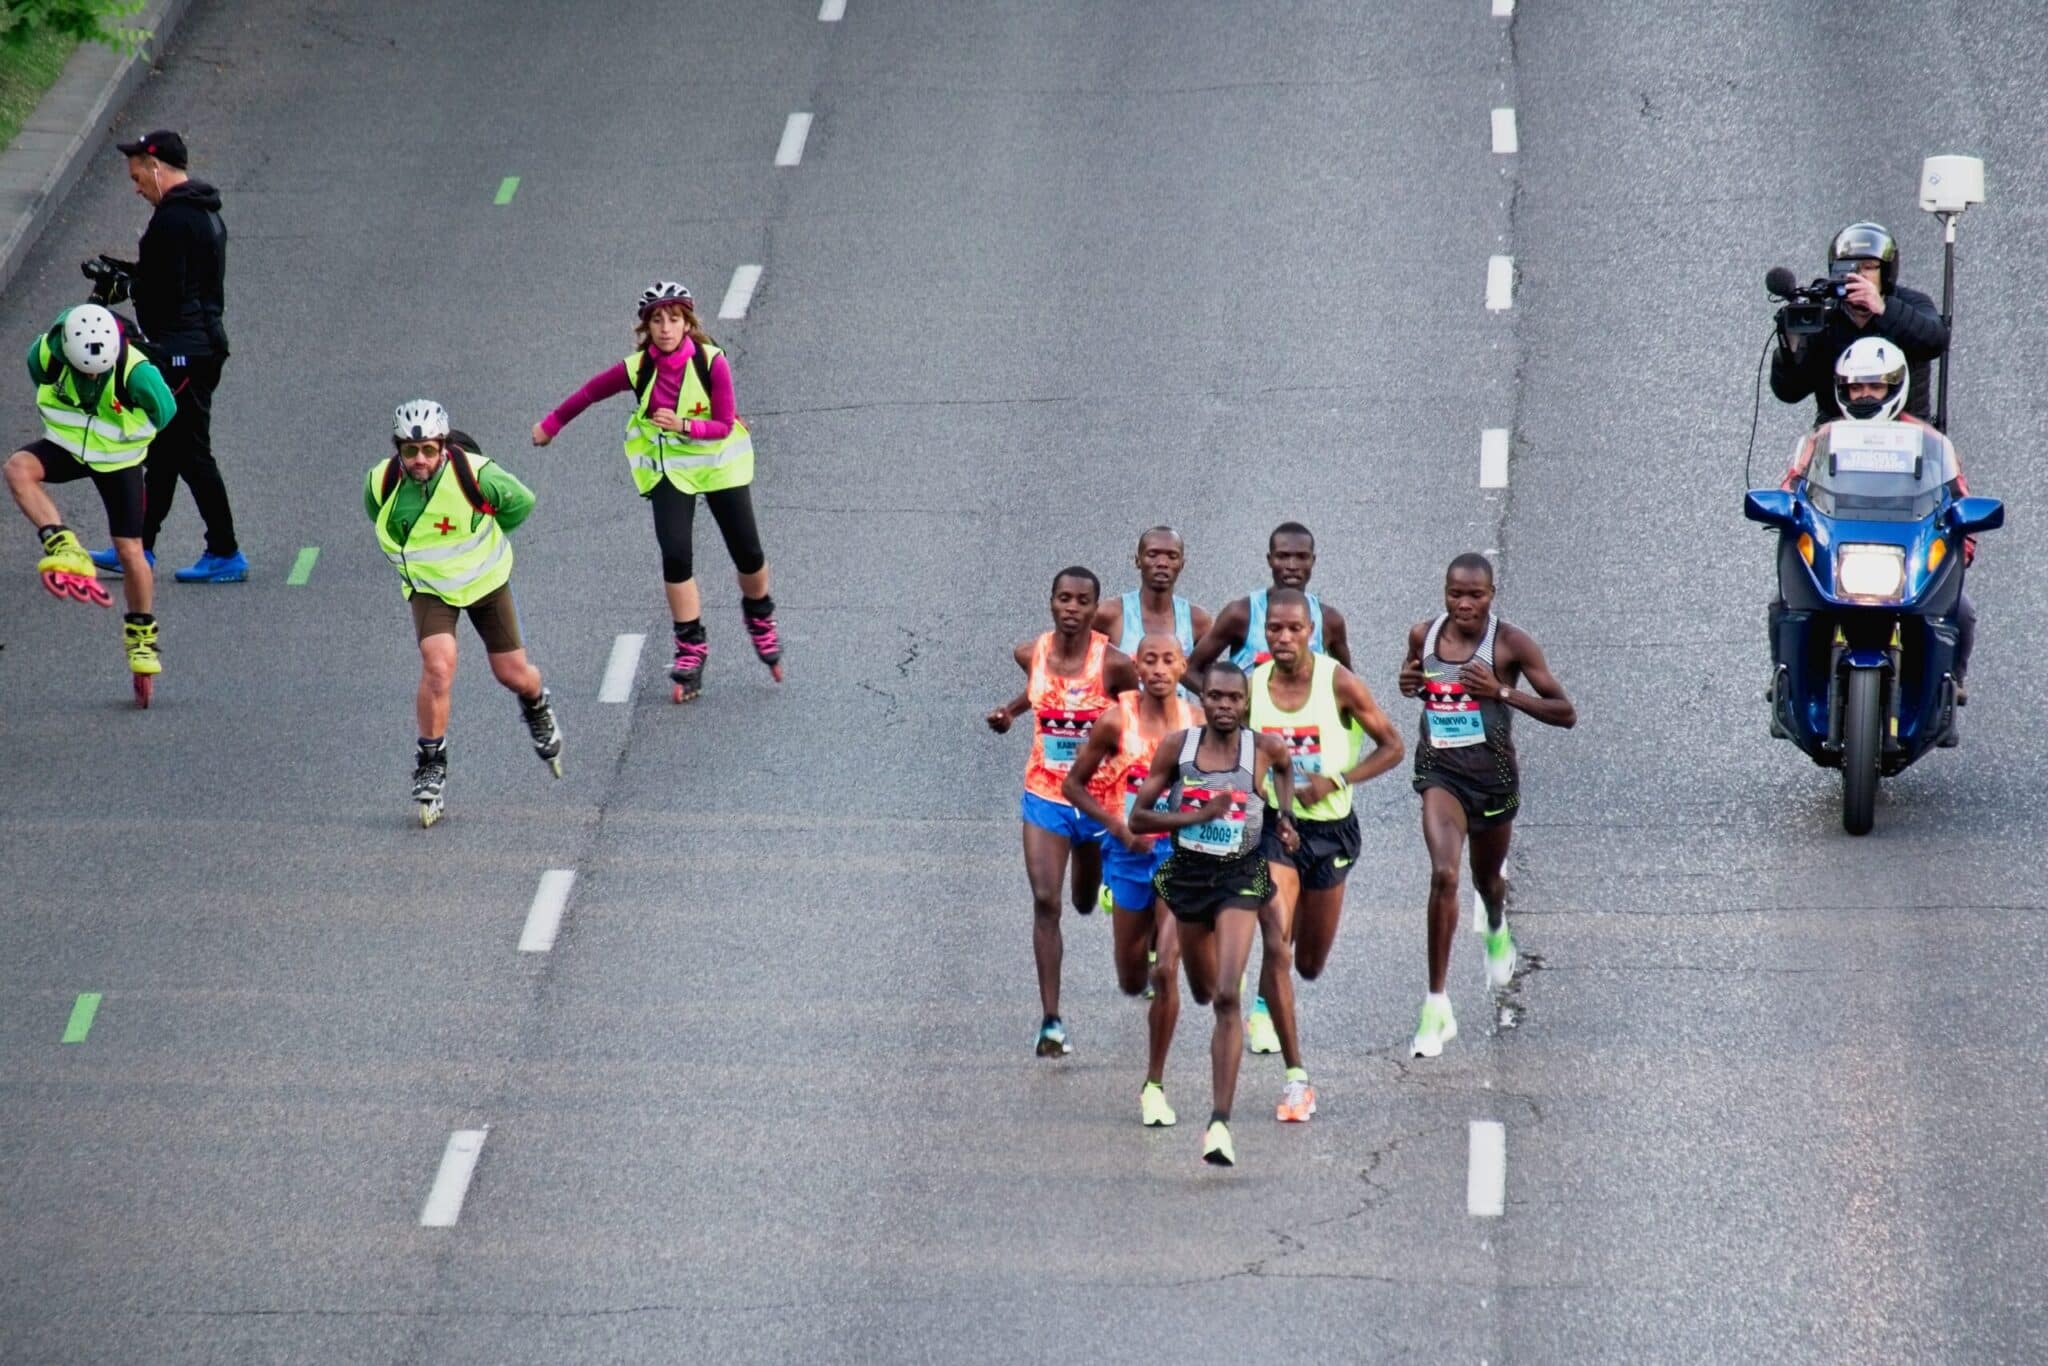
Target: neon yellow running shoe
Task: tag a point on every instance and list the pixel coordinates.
(1105, 901)
(1259, 1034)
(1216, 1148)
(1153, 1109)
(1500, 958)
(1436, 1028)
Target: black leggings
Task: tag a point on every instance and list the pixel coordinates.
(674, 511)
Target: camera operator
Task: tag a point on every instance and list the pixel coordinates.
(176, 283)
(1867, 301)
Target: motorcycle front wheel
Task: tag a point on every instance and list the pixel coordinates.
(1862, 733)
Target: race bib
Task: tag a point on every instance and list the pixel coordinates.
(1304, 746)
(1060, 734)
(1452, 716)
(1223, 837)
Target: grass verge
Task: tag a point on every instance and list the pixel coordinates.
(25, 74)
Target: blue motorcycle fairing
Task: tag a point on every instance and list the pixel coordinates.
(1867, 659)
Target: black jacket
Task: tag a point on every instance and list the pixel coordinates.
(179, 270)
(1909, 318)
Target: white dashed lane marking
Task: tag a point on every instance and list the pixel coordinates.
(451, 1183)
(1500, 282)
(618, 673)
(1493, 461)
(740, 292)
(544, 918)
(790, 151)
(832, 11)
(1503, 9)
(1505, 139)
(1486, 1179)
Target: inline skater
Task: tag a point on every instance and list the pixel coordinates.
(443, 513)
(1070, 674)
(1216, 879)
(1311, 703)
(1464, 665)
(102, 404)
(684, 437)
(1121, 744)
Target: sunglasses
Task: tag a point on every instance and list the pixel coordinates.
(409, 449)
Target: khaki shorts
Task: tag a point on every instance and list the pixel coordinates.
(492, 615)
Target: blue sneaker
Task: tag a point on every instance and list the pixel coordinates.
(213, 568)
(108, 561)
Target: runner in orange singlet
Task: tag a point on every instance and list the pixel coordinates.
(1121, 744)
(1070, 674)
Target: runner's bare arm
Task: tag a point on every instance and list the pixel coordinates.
(1225, 635)
(1336, 636)
(1118, 673)
(1105, 737)
(1279, 764)
(1166, 759)
(1109, 618)
(1000, 718)
(1516, 655)
(1200, 620)
(1411, 662)
(1387, 748)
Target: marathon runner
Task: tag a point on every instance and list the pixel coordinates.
(1239, 631)
(1153, 606)
(1311, 703)
(102, 404)
(443, 512)
(1121, 744)
(1239, 634)
(1216, 880)
(1070, 675)
(1464, 665)
(684, 437)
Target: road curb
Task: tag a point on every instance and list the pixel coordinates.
(54, 145)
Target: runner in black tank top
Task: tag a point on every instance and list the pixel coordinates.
(1463, 665)
(1216, 880)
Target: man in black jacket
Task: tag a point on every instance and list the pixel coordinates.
(177, 287)
(1877, 305)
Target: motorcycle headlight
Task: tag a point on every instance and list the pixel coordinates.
(1875, 573)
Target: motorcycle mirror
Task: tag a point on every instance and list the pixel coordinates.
(1950, 184)
(1772, 507)
(1968, 515)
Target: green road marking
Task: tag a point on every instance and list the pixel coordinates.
(507, 187)
(302, 567)
(82, 1010)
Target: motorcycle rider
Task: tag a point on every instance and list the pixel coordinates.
(1875, 305)
(1873, 381)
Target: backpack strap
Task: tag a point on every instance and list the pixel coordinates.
(644, 375)
(465, 477)
(393, 472)
(701, 366)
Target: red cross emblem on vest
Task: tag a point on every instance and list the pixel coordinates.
(697, 411)
(444, 526)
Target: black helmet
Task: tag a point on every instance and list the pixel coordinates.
(1866, 242)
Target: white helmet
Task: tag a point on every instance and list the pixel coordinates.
(92, 339)
(420, 420)
(1871, 360)
(665, 292)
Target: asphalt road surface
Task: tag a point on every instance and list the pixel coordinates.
(1046, 273)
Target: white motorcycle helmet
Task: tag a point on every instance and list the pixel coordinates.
(1872, 360)
(420, 420)
(92, 339)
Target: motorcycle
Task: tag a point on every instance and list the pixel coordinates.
(1870, 567)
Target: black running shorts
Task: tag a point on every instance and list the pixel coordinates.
(1324, 857)
(121, 491)
(1484, 810)
(1196, 886)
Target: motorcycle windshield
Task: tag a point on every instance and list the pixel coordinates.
(1880, 472)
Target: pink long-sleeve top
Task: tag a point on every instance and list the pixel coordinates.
(668, 385)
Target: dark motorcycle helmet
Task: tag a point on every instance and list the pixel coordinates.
(1866, 242)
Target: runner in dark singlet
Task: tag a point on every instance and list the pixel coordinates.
(1216, 879)
(1464, 665)
(1070, 674)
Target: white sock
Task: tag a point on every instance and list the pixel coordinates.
(1439, 998)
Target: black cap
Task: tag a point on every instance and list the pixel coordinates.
(163, 144)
